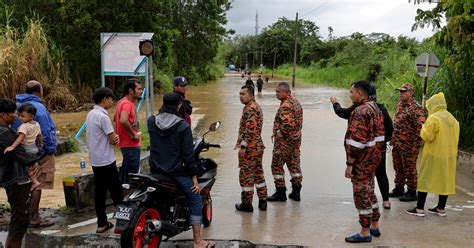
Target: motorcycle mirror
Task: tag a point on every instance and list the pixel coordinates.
(214, 126)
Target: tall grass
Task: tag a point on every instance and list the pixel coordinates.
(397, 67)
(28, 55)
(341, 76)
(217, 67)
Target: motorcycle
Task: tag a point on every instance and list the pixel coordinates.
(156, 207)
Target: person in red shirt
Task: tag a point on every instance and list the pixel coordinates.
(126, 125)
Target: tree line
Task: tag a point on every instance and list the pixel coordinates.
(187, 33)
(384, 60)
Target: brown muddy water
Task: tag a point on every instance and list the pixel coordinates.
(214, 101)
(326, 213)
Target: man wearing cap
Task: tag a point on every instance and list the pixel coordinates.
(172, 154)
(406, 142)
(179, 86)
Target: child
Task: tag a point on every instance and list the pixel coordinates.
(28, 133)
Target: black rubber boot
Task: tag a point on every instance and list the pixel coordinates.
(295, 193)
(262, 205)
(279, 195)
(396, 192)
(244, 207)
(409, 196)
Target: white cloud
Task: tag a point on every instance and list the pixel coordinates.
(393, 17)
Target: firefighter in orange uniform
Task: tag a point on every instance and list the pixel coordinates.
(406, 142)
(287, 141)
(364, 142)
(250, 146)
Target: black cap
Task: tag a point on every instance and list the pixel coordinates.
(171, 99)
(180, 81)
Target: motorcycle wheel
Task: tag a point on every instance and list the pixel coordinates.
(135, 235)
(207, 211)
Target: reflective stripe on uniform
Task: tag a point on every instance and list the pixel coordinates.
(247, 188)
(279, 176)
(296, 174)
(368, 144)
(364, 211)
(260, 185)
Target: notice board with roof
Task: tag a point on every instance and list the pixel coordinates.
(120, 56)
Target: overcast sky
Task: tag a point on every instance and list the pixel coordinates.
(393, 17)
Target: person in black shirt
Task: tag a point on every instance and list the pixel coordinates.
(172, 154)
(250, 82)
(259, 83)
(14, 176)
(180, 86)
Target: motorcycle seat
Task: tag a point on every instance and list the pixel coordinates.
(161, 178)
(144, 176)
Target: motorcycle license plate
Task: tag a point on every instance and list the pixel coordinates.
(123, 213)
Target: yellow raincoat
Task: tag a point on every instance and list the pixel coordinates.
(438, 161)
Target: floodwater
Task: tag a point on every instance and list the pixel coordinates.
(326, 213)
(218, 100)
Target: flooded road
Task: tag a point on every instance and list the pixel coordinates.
(214, 101)
(326, 213)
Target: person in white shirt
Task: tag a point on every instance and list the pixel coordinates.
(100, 141)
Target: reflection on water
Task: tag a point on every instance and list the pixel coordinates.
(219, 100)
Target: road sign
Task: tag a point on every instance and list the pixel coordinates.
(427, 64)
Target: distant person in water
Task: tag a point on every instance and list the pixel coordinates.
(249, 82)
(259, 83)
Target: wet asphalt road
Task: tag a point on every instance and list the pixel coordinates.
(326, 213)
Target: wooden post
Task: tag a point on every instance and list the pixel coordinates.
(425, 80)
(294, 55)
(274, 62)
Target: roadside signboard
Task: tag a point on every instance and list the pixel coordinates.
(426, 66)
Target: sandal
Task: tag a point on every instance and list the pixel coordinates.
(387, 206)
(210, 244)
(102, 229)
(41, 224)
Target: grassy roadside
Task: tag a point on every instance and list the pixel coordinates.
(389, 79)
(339, 77)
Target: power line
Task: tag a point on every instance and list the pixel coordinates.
(256, 23)
(313, 10)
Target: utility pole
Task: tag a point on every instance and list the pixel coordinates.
(261, 59)
(256, 33)
(246, 61)
(274, 62)
(294, 55)
(253, 59)
(256, 23)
